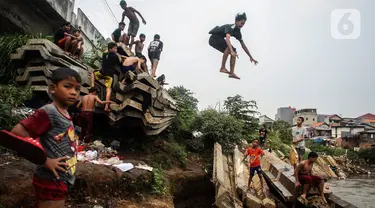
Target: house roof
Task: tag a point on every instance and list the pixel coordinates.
(335, 115)
(317, 124)
(368, 116)
(369, 120)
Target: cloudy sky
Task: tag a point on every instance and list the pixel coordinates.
(300, 64)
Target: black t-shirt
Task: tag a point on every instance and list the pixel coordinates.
(60, 34)
(109, 62)
(227, 29)
(155, 46)
(263, 133)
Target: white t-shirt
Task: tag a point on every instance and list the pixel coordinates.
(298, 133)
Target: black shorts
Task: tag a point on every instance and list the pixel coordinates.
(218, 42)
(154, 55)
(262, 141)
(139, 55)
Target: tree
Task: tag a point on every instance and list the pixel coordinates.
(188, 107)
(283, 130)
(219, 127)
(245, 111)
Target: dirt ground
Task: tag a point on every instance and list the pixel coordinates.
(109, 187)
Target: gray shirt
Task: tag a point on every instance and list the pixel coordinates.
(57, 137)
(298, 133)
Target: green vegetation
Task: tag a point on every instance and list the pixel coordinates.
(169, 154)
(160, 185)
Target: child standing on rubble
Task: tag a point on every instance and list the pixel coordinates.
(118, 37)
(133, 27)
(254, 152)
(299, 133)
(53, 126)
(139, 44)
(87, 113)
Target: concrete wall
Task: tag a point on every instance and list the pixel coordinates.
(337, 131)
(285, 114)
(46, 16)
(310, 116)
(91, 34)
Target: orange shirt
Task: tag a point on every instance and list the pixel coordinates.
(254, 156)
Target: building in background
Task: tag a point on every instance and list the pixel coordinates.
(265, 120)
(285, 114)
(309, 114)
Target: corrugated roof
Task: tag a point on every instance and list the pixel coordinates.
(317, 124)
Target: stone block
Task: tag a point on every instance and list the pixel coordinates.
(269, 203)
(253, 201)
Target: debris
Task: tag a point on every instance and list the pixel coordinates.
(144, 167)
(124, 166)
(115, 144)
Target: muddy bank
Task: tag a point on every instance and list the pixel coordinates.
(107, 186)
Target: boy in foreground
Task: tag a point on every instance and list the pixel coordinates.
(305, 178)
(218, 42)
(53, 125)
(87, 113)
(254, 152)
(109, 62)
(298, 133)
(133, 27)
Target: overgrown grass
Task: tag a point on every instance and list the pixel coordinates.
(11, 97)
(160, 185)
(352, 155)
(169, 154)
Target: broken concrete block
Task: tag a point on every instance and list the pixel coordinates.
(252, 201)
(269, 203)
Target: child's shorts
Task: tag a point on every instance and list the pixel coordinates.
(48, 190)
(258, 169)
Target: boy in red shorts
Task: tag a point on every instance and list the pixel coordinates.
(305, 178)
(254, 152)
(53, 125)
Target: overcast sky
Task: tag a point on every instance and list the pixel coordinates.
(300, 64)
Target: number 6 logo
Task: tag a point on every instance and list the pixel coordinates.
(345, 24)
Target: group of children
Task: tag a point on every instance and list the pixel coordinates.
(155, 48)
(70, 40)
(302, 170)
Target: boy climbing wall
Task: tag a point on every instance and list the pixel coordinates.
(133, 27)
(87, 113)
(220, 40)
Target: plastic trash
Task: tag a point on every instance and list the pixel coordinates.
(124, 166)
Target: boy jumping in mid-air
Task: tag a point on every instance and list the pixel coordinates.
(220, 40)
(53, 126)
(130, 12)
(139, 45)
(254, 152)
(87, 113)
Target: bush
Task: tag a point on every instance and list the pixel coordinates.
(333, 151)
(367, 154)
(171, 153)
(221, 128)
(11, 97)
(159, 183)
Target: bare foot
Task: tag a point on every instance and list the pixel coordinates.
(324, 199)
(303, 196)
(234, 76)
(224, 70)
(107, 109)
